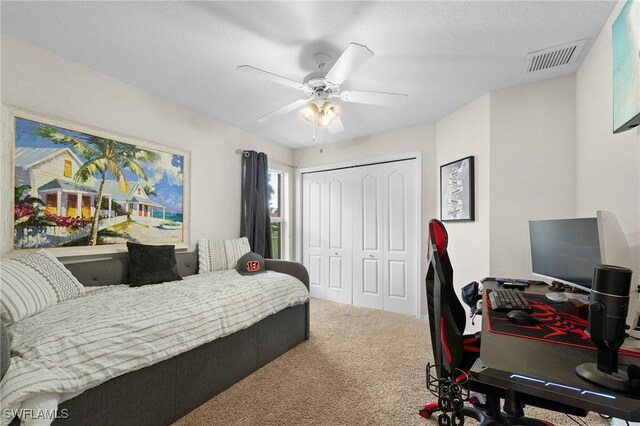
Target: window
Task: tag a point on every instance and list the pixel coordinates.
(67, 168)
(51, 201)
(277, 208)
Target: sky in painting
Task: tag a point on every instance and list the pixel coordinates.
(165, 175)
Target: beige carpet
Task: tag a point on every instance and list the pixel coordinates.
(360, 367)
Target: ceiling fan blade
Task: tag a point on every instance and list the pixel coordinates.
(336, 126)
(248, 69)
(351, 59)
(374, 98)
(285, 109)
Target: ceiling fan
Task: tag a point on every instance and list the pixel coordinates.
(322, 85)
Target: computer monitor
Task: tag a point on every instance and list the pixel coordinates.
(567, 250)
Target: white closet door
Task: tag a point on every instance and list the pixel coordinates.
(360, 235)
(367, 237)
(314, 225)
(400, 236)
(338, 253)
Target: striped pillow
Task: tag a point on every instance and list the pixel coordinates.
(30, 283)
(220, 255)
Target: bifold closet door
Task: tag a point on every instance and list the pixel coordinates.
(314, 230)
(385, 236)
(339, 256)
(327, 234)
(368, 259)
(400, 236)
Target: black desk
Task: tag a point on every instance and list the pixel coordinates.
(547, 370)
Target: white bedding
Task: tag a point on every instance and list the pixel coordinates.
(112, 330)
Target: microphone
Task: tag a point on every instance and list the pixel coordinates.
(608, 307)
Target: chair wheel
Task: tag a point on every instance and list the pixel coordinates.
(425, 413)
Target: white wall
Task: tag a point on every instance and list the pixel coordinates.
(36, 80)
(412, 139)
(607, 165)
(533, 167)
(462, 133)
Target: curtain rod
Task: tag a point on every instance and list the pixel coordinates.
(246, 151)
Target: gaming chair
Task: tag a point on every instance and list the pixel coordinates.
(455, 353)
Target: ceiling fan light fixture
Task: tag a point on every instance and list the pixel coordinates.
(323, 119)
(310, 112)
(331, 111)
(321, 116)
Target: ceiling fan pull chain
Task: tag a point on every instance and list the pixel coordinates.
(313, 132)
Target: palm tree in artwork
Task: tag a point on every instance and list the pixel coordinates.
(149, 190)
(102, 156)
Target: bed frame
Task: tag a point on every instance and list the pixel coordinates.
(162, 393)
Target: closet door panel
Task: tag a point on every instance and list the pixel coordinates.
(367, 241)
(397, 225)
(338, 253)
(315, 216)
(400, 236)
(370, 214)
(371, 277)
(397, 279)
(314, 266)
(335, 273)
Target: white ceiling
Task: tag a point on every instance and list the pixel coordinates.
(442, 54)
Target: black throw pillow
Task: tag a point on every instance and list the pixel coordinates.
(250, 264)
(151, 264)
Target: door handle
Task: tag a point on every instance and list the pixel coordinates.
(371, 256)
(336, 253)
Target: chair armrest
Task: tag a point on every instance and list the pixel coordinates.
(295, 269)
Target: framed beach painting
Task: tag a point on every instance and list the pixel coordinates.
(81, 190)
(457, 196)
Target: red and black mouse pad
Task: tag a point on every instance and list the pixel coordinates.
(556, 324)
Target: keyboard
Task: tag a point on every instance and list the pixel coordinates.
(505, 300)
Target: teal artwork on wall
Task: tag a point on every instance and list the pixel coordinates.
(625, 34)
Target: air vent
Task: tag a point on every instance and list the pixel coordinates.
(557, 56)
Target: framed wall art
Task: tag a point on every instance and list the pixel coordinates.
(457, 193)
(76, 187)
(625, 36)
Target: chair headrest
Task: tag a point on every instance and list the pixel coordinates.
(438, 236)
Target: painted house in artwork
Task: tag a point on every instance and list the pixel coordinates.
(49, 172)
(136, 200)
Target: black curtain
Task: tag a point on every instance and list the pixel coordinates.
(255, 221)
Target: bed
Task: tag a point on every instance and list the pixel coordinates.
(187, 372)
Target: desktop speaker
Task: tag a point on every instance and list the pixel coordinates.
(608, 308)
